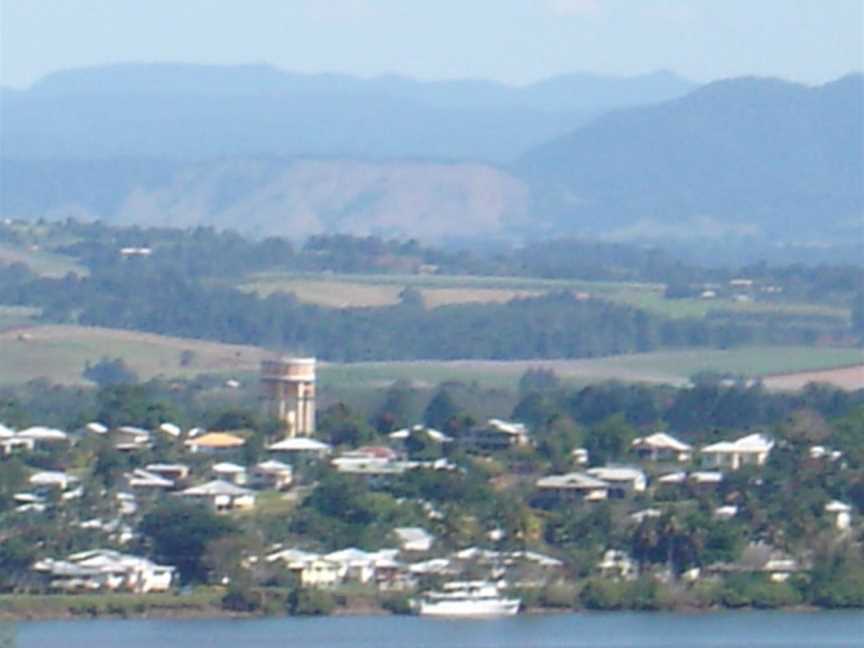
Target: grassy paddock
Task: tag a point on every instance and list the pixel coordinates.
(58, 353)
(46, 264)
(202, 600)
(346, 290)
(671, 367)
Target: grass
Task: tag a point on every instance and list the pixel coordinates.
(46, 264)
(199, 600)
(347, 293)
(59, 353)
(14, 316)
(348, 290)
(273, 503)
(672, 367)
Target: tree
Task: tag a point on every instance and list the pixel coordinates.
(108, 371)
(609, 440)
(440, 410)
(539, 380)
(179, 534)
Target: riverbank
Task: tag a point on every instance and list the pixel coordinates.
(206, 603)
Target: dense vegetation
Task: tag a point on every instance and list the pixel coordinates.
(780, 506)
(187, 286)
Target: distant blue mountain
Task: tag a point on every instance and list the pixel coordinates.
(185, 111)
(783, 158)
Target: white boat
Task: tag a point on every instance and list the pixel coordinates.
(467, 599)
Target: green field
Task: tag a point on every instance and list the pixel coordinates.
(46, 264)
(670, 367)
(343, 290)
(59, 354)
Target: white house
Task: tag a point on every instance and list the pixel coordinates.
(841, 514)
(414, 539)
(130, 438)
(300, 446)
(140, 479)
(617, 564)
(215, 443)
(622, 480)
(662, 447)
(751, 450)
(174, 471)
(271, 475)
(105, 569)
(371, 461)
(312, 569)
(230, 472)
(574, 486)
(364, 566)
(221, 495)
(43, 436)
(495, 435)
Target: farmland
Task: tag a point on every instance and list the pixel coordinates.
(354, 291)
(60, 352)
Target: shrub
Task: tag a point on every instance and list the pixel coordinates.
(310, 602)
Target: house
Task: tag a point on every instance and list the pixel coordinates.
(840, 513)
(751, 450)
(130, 438)
(49, 479)
(230, 472)
(42, 436)
(176, 472)
(414, 539)
(495, 435)
(617, 564)
(300, 446)
(143, 480)
(780, 568)
(420, 431)
(95, 427)
(370, 461)
(221, 496)
(312, 569)
(364, 566)
(11, 442)
(622, 480)
(215, 443)
(170, 429)
(662, 447)
(271, 475)
(105, 570)
(726, 512)
(574, 486)
(580, 456)
(649, 513)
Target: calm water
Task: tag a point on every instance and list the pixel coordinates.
(739, 629)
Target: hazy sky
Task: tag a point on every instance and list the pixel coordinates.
(510, 40)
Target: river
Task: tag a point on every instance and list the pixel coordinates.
(607, 630)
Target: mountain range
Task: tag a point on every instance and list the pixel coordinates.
(267, 152)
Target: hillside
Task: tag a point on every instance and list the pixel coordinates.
(270, 153)
(268, 196)
(739, 156)
(182, 111)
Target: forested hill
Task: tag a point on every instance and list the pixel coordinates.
(746, 154)
(183, 111)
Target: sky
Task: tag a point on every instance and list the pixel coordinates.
(514, 41)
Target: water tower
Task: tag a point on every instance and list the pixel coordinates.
(289, 387)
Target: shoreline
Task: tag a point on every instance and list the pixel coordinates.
(38, 613)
